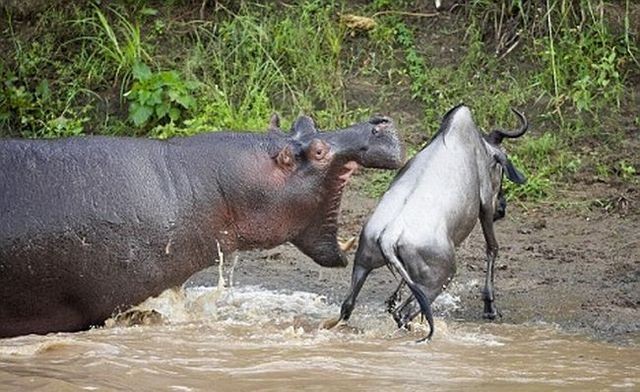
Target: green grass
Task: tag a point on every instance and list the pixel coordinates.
(580, 67)
(258, 61)
(118, 41)
(568, 64)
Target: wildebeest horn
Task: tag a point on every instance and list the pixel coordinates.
(495, 137)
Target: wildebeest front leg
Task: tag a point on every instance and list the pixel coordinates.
(358, 277)
(490, 311)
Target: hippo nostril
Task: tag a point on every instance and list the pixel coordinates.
(380, 120)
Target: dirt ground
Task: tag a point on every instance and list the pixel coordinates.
(575, 267)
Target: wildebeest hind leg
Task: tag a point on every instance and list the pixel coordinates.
(402, 312)
(391, 255)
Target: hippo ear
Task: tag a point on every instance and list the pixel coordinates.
(303, 127)
(285, 159)
(274, 122)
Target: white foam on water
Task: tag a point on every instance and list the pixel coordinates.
(283, 315)
(260, 311)
(469, 336)
(446, 303)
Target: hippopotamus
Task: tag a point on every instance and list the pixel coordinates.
(92, 225)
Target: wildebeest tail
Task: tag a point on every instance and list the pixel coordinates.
(389, 250)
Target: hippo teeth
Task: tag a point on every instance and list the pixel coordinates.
(347, 170)
(333, 210)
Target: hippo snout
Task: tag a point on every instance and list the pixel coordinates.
(384, 149)
(377, 120)
(382, 125)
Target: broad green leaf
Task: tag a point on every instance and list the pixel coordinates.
(186, 101)
(42, 90)
(143, 97)
(174, 114)
(139, 114)
(141, 71)
(162, 110)
(156, 97)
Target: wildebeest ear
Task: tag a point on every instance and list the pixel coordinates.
(513, 174)
(510, 171)
(304, 126)
(285, 158)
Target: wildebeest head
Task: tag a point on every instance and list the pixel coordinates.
(502, 164)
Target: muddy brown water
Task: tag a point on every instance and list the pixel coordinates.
(251, 338)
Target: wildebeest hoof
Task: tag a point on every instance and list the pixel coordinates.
(402, 322)
(392, 305)
(426, 339)
(491, 315)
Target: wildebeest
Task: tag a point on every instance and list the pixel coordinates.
(431, 207)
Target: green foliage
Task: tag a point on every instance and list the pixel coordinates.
(582, 57)
(260, 59)
(538, 185)
(626, 170)
(377, 183)
(30, 110)
(157, 96)
(67, 71)
(119, 43)
(169, 130)
(539, 158)
(441, 87)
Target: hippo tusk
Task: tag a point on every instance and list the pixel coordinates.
(347, 245)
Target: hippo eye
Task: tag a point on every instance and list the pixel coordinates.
(375, 131)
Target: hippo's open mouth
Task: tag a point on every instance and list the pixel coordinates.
(337, 187)
(347, 170)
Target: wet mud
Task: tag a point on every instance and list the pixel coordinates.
(576, 267)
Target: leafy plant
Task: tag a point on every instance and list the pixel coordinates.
(259, 59)
(34, 113)
(158, 96)
(581, 56)
(627, 171)
(119, 43)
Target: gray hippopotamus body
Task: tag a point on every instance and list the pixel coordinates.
(93, 225)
